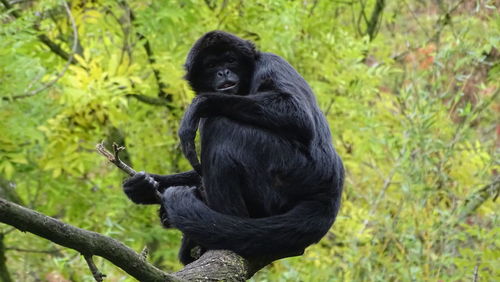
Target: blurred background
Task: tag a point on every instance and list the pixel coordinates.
(410, 89)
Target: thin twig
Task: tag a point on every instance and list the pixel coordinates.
(114, 158)
(329, 107)
(476, 273)
(414, 16)
(98, 276)
(440, 25)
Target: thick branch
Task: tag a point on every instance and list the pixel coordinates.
(55, 48)
(83, 241)
(219, 265)
(215, 265)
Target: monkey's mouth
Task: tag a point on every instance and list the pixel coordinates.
(226, 86)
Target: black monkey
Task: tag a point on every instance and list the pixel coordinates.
(272, 181)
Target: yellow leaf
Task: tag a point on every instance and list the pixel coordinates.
(18, 158)
(81, 61)
(56, 172)
(8, 169)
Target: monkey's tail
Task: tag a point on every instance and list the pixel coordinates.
(283, 235)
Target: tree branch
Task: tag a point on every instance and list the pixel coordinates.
(114, 158)
(213, 265)
(375, 19)
(83, 241)
(217, 265)
(98, 276)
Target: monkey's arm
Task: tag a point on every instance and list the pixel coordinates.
(280, 113)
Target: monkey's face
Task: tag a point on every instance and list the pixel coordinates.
(223, 72)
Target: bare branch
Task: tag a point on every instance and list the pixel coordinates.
(214, 265)
(83, 241)
(375, 19)
(114, 158)
(476, 273)
(98, 276)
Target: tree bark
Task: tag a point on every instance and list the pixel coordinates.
(214, 265)
(217, 265)
(85, 242)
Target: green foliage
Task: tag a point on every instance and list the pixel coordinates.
(413, 112)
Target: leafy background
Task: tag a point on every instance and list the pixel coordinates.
(410, 91)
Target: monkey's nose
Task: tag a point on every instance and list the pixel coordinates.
(222, 73)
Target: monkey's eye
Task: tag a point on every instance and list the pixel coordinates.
(211, 65)
(231, 60)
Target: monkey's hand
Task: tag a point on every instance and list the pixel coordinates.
(165, 221)
(142, 189)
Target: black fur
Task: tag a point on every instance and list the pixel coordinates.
(272, 181)
(141, 188)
